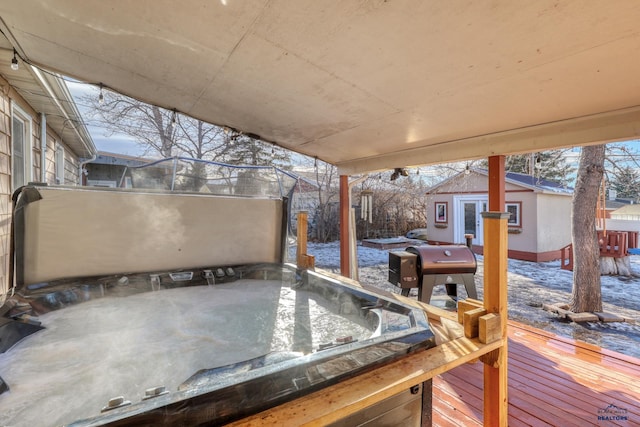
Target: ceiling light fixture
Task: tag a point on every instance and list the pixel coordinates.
(14, 61)
(397, 172)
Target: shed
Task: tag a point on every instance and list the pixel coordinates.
(539, 225)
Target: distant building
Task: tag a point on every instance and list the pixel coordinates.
(110, 170)
(540, 222)
(627, 212)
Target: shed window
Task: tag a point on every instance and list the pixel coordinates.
(515, 209)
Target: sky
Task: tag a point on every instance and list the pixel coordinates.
(117, 143)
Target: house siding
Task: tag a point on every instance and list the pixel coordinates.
(5, 187)
(8, 96)
(71, 161)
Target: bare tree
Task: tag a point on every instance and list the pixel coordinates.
(586, 293)
(326, 214)
(397, 206)
(159, 131)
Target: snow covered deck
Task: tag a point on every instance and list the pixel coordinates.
(552, 381)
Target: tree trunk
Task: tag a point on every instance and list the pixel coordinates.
(587, 293)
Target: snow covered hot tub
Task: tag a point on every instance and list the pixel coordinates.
(217, 326)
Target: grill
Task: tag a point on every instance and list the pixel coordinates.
(426, 266)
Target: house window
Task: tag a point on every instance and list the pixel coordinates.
(515, 209)
(59, 160)
(21, 147)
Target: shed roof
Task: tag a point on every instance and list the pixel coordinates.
(539, 185)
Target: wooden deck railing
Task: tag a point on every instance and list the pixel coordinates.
(613, 244)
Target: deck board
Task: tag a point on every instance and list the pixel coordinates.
(552, 381)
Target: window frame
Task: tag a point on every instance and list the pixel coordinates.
(517, 221)
(59, 164)
(18, 113)
(445, 218)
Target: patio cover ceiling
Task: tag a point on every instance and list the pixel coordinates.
(365, 85)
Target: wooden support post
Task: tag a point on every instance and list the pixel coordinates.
(301, 247)
(345, 208)
(495, 294)
(496, 184)
(303, 260)
(495, 301)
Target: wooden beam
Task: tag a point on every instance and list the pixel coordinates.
(610, 126)
(335, 402)
(465, 305)
(345, 251)
(471, 322)
(489, 328)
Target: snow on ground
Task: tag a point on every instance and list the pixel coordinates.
(529, 286)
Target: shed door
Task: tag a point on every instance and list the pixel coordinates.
(468, 219)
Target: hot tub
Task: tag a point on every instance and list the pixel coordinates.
(145, 307)
(200, 346)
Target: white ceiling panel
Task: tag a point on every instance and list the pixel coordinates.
(366, 85)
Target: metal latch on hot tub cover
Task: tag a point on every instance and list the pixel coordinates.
(116, 402)
(150, 393)
(155, 282)
(182, 276)
(209, 277)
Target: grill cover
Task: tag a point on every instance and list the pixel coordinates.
(444, 259)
